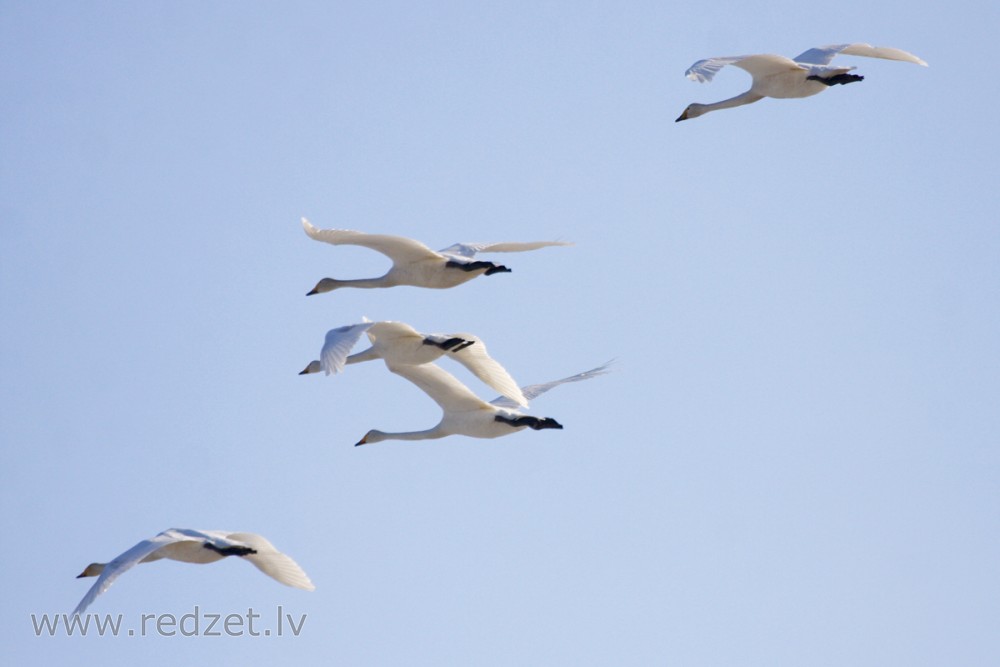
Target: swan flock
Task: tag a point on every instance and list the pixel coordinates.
(411, 354)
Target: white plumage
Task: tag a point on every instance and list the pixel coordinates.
(415, 264)
(807, 74)
(196, 546)
(399, 344)
(464, 413)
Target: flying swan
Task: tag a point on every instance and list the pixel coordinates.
(415, 264)
(399, 344)
(777, 76)
(196, 546)
(467, 414)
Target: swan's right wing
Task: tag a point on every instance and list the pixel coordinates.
(533, 391)
(822, 55)
(477, 359)
(442, 386)
(272, 562)
(338, 345)
(127, 561)
(469, 250)
(397, 248)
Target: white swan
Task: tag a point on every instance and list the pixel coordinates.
(415, 264)
(467, 414)
(196, 546)
(400, 344)
(777, 76)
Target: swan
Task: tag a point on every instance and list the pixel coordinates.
(415, 264)
(398, 344)
(196, 546)
(777, 76)
(467, 414)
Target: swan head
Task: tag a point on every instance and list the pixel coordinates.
(325, 285)
(313, 367)
(693, 111)
(371, 436)
(92, 570)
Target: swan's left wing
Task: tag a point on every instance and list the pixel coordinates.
(705, 70)
(822, 55)
(469, 250)
(446, 390)
(338, 345)
(397, 248)
(126, 561)
(272, 562)
(533, 391)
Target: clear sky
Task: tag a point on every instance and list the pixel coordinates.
(795, 462)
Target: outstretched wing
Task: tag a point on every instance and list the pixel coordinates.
(391, 332)
(442, 386)
(469, 250)
(126, 561)
(705, 70)
(533, 391)
(767, 64)
(822, 55)
(397, 248)
(338, 344)
(272, 562)
(477, 359)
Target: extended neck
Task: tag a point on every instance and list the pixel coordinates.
(694, 110)
(330, 284)
(378, 436)
(364, 355)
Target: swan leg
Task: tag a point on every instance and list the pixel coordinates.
(229, 551)
(455, 342)
(842, 79)
(490, 267)
(535, 423)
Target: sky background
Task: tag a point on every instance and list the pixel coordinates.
(795, 461)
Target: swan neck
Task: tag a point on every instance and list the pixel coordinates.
(365, 355)
(743, 98)
(366, 283)
(429, 434)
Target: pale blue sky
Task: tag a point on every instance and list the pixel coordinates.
(796, 461)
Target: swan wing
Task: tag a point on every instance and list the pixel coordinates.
(129, 559)
(397, 248)
(442, 386)
(389, 331)
(338, 345)
(705, 70)
(270, 561)
(767, 64)
(533, 391)
(477, 359)
(757, 65)
(469, 250)
(822, 55)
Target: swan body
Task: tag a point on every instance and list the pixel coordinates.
(196, 546)
(400, 344)
(807, 74)
(464, 413)
(415, 264)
